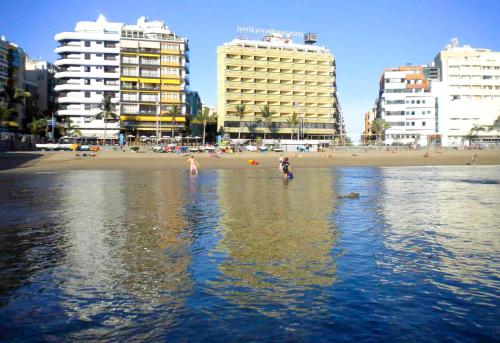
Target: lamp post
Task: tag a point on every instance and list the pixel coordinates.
(157, 121)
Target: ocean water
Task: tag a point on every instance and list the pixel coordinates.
(241, 255)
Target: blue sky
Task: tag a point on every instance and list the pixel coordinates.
(365, 36)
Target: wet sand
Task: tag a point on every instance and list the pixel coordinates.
(117, 160)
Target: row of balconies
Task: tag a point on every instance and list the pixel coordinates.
(283, 110)
(279, 86)
(280, 76)
(269, 97)
(278, 53)
(88, 50)
(74, 61)
(282, 65)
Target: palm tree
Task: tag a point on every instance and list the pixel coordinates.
(203, 118)
(293, 121)
(266, 114)
(107, 113)
(173, 111)
(474, 132)
(240, 113)
(378, 127)
(70, 129)
(37, 126)
(6, 115)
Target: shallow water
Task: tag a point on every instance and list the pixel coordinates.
(239, 255)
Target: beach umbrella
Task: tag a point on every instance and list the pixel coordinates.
(188, 137)
(166, 137)
(197, 137)
(130, 136)
(152, 136)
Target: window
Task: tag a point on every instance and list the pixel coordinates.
(86, 119)
(87, 56)
(98, 80)
(412, 123)
(87, 43)
(99, 55)
(412, 113)
(418, 101)
(98, 42)
(87, 106)
(86, 81)
(86, 69)
(423, 123)
(413, 101)
(87, 94)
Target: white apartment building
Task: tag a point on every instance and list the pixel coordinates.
(406, 104)
(468, 94)
(89, 69)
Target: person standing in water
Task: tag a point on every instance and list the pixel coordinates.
(285, 167)
(193, 165)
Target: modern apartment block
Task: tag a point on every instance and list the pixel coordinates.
(286, 76)
(153, 79)
(4, 64)
(42, 74)
(407, 105)
(468, 94)
(89, 70)
(12, 66)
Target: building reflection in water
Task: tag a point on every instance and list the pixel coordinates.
(277, 238)
(128, 244)
(439, 220)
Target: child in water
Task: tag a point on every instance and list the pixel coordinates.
(193, 165)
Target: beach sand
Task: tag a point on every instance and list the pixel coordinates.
(118, 160)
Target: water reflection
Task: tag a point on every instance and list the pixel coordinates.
(440, 220)
(277, 239)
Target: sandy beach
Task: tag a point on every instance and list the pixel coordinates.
(118, 160)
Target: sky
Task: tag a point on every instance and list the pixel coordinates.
(364, 36)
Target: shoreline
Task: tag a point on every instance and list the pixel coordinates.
(26, 162)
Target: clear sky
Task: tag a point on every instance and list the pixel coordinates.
(365, 36)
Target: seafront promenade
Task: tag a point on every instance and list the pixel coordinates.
(118, 160)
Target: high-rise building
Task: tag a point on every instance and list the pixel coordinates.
(407, 105)
(89, 70)
(153, 80)
(286, 76)
(12, 65)
(468, 94)
(42, 73)
(4, 64)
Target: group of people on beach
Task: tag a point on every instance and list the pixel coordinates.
(284, 166)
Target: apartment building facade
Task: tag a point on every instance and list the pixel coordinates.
(42, 74)
(468, 93)
(88, 71)
(407, 105)
(276, 72)
(4, 64)
(153, 79)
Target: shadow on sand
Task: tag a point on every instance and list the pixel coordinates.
(11, 160)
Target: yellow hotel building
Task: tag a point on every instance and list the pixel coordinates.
(287, 77)
(153, 79)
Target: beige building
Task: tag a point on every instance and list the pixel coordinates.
(276, 72)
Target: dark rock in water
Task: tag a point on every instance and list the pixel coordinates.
(352, 195)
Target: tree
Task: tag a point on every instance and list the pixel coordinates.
(37, 126)
(15, 96)
(293, 121)
(6, 115)
(204, 118)
(69, 129)
(240, 113)
(266, 115)
(173, 111)
(378, 127)
(474, 132)
(107, 113)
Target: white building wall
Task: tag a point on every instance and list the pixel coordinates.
(469, 92)
(89, 62)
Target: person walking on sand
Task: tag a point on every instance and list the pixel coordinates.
(474, 158)
(193, 165)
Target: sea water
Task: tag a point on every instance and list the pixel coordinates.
(242, 255)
